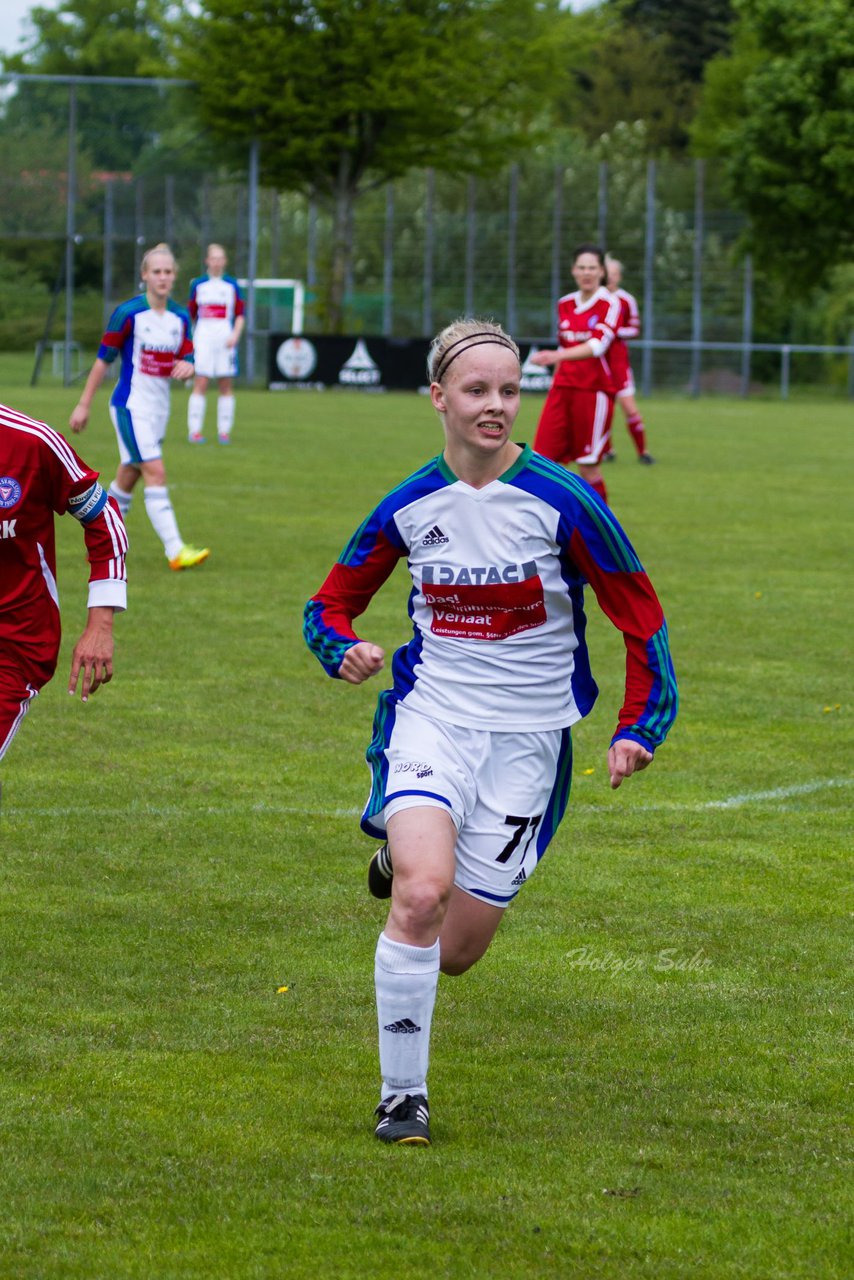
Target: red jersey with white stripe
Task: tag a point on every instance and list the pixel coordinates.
(628, 327)
(41, 475)
(578, 322)
(215, 298)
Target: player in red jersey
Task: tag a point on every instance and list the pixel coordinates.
(41, 475)
(575, 423)
(628, 328)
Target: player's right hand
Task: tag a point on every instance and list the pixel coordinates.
(361, 661)
(79, 418)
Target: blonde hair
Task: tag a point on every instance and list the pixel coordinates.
(454, 336)
(149, 253)
(215, 248)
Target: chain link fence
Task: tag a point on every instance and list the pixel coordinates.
(93, 173)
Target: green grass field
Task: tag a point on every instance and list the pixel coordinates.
(645, 1077)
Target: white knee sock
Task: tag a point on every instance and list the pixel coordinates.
(162, 517)
(122, 498)
(224, 416)
(406, 979)
(195, 415)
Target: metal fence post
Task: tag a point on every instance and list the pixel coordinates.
(70, 232)
(557, 226)
(138, 221)
(697, 289)
(169, 208)
(512, 222)
(471, 242)
(109, 233)
(205, 220)
(427, 302)
(602, 206)
(747, 325)
(311, 247)
(785, 370)
(252, 266)
(649, 277)
(275, 234)
(388, 261)
(851, 365)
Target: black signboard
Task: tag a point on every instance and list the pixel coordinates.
(314, 362)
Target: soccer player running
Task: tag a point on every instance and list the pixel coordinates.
(575, 423)
(41, 475)
(152, 336)
(216, 309)
(471, 751)
(629, 327)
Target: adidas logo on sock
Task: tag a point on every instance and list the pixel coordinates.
(434, 538)
(520, 879)
(404, 1026)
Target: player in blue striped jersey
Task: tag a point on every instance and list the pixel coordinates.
(471, 751)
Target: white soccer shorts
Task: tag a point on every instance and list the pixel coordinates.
(213, 359)
(140, 436)
(506, 792)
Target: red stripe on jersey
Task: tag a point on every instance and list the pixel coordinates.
(213, 311)
(55, 442)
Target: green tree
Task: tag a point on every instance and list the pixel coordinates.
(347, 94)
(788, 135)
(96, 37)
(696, 30)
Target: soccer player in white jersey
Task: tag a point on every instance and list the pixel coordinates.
(629, 327)
(152, 336)
(471, 752)
(41, 476)
(216, 310)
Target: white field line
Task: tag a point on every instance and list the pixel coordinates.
(169, 811)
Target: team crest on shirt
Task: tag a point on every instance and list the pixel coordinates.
(10, 492)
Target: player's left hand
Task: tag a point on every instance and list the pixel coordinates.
(545, 358)
(232, 341)
(182, 370)
(625, 758)
(93, 654)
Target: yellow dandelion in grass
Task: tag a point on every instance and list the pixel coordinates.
(280, 991)
(757, 595)
(587, 772)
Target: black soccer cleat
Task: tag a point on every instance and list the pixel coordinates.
(404, 1119)
(380, 873)
(610, 456)
(647, 459)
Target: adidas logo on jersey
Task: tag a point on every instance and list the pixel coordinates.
(404, 1026)
(434, 538)
(519, 879)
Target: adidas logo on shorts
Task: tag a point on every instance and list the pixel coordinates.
(519, 879)
(404, 1026)
(435, 538)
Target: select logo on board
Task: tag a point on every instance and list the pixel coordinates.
(360, 370)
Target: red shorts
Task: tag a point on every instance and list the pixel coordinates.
(16, 694)
(575, 425)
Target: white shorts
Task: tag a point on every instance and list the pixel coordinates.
(506, 792)
(140, 437)
(213, 359)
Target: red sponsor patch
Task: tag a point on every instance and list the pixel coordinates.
(157, 364)
(213, 311)
(486, 612)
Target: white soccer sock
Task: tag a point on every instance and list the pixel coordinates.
(122, 498)
(406, 979)
(162, 517)
(195, 414)
(224, 416)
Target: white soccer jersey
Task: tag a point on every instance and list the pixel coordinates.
(497, 601)
(215, 301)
(150, 343)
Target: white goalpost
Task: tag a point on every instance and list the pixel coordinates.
(277, 295)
